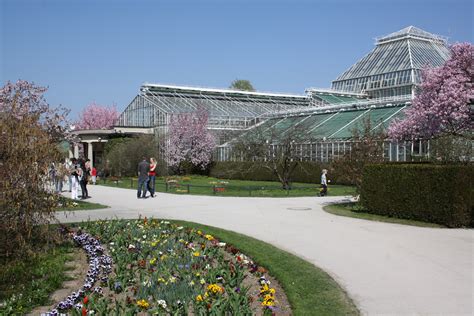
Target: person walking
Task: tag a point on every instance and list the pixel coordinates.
(75, 178)
(143, 170)
(94, 175)
(86, 176)
(83, 179)
(52, 175)
(152, 177)
(324, 183)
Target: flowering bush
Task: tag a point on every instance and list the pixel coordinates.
(30, 131)
(162, 268)
(189, 140)
(443, 104)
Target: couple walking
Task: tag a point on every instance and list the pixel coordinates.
(146, 178)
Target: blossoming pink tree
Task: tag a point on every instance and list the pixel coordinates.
(95, 116)
(189, 139)
(442, 106)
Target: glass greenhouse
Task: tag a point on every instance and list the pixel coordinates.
(393, 67)
(379, 86)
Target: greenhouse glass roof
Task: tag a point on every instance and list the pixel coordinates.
(410, 48)
(225, 107)
(334, 125)
(219, 102)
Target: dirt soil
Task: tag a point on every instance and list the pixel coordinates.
(76, 275)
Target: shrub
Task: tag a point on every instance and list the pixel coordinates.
(30, 131)
(305, 172)
(433, 193)
(124, 154)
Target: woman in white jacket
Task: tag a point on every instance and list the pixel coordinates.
(76, 176)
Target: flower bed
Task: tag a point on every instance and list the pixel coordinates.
(100, 266)
(162, 268)
(66, 203)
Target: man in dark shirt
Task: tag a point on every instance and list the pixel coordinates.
(143, 169)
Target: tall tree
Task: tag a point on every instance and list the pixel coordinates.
(95, 116)
(242, 85)
(189, 140)
(272, 149)
(443, 105)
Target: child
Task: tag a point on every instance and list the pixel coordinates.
(94, 175)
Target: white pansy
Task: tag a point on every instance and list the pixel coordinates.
(162, 303)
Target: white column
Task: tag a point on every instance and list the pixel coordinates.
(76, 151)
(90, 153)
(397, 148)
(70, 150)
(390, 151)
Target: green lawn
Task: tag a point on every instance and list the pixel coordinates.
(310, 290)
(25, 284)
(201, 185)
(353, 210)
(67, 204)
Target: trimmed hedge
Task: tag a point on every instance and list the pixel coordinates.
(439, 194)
(305, 172)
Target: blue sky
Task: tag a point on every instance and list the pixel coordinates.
(103, 50)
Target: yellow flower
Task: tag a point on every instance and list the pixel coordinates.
(215, 289)
(163, 257)
(202, 281)
(268, 297)
(268, 303)
(199, 298)
(264, 288)
(161, 280)
(143, 304)
(209, 237)
(196, 254)
(199, 232)
(152, 261)
(172, 279)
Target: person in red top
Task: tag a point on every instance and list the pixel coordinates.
(152, 177)
(94, 175)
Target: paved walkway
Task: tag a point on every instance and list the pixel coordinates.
(387, 269)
